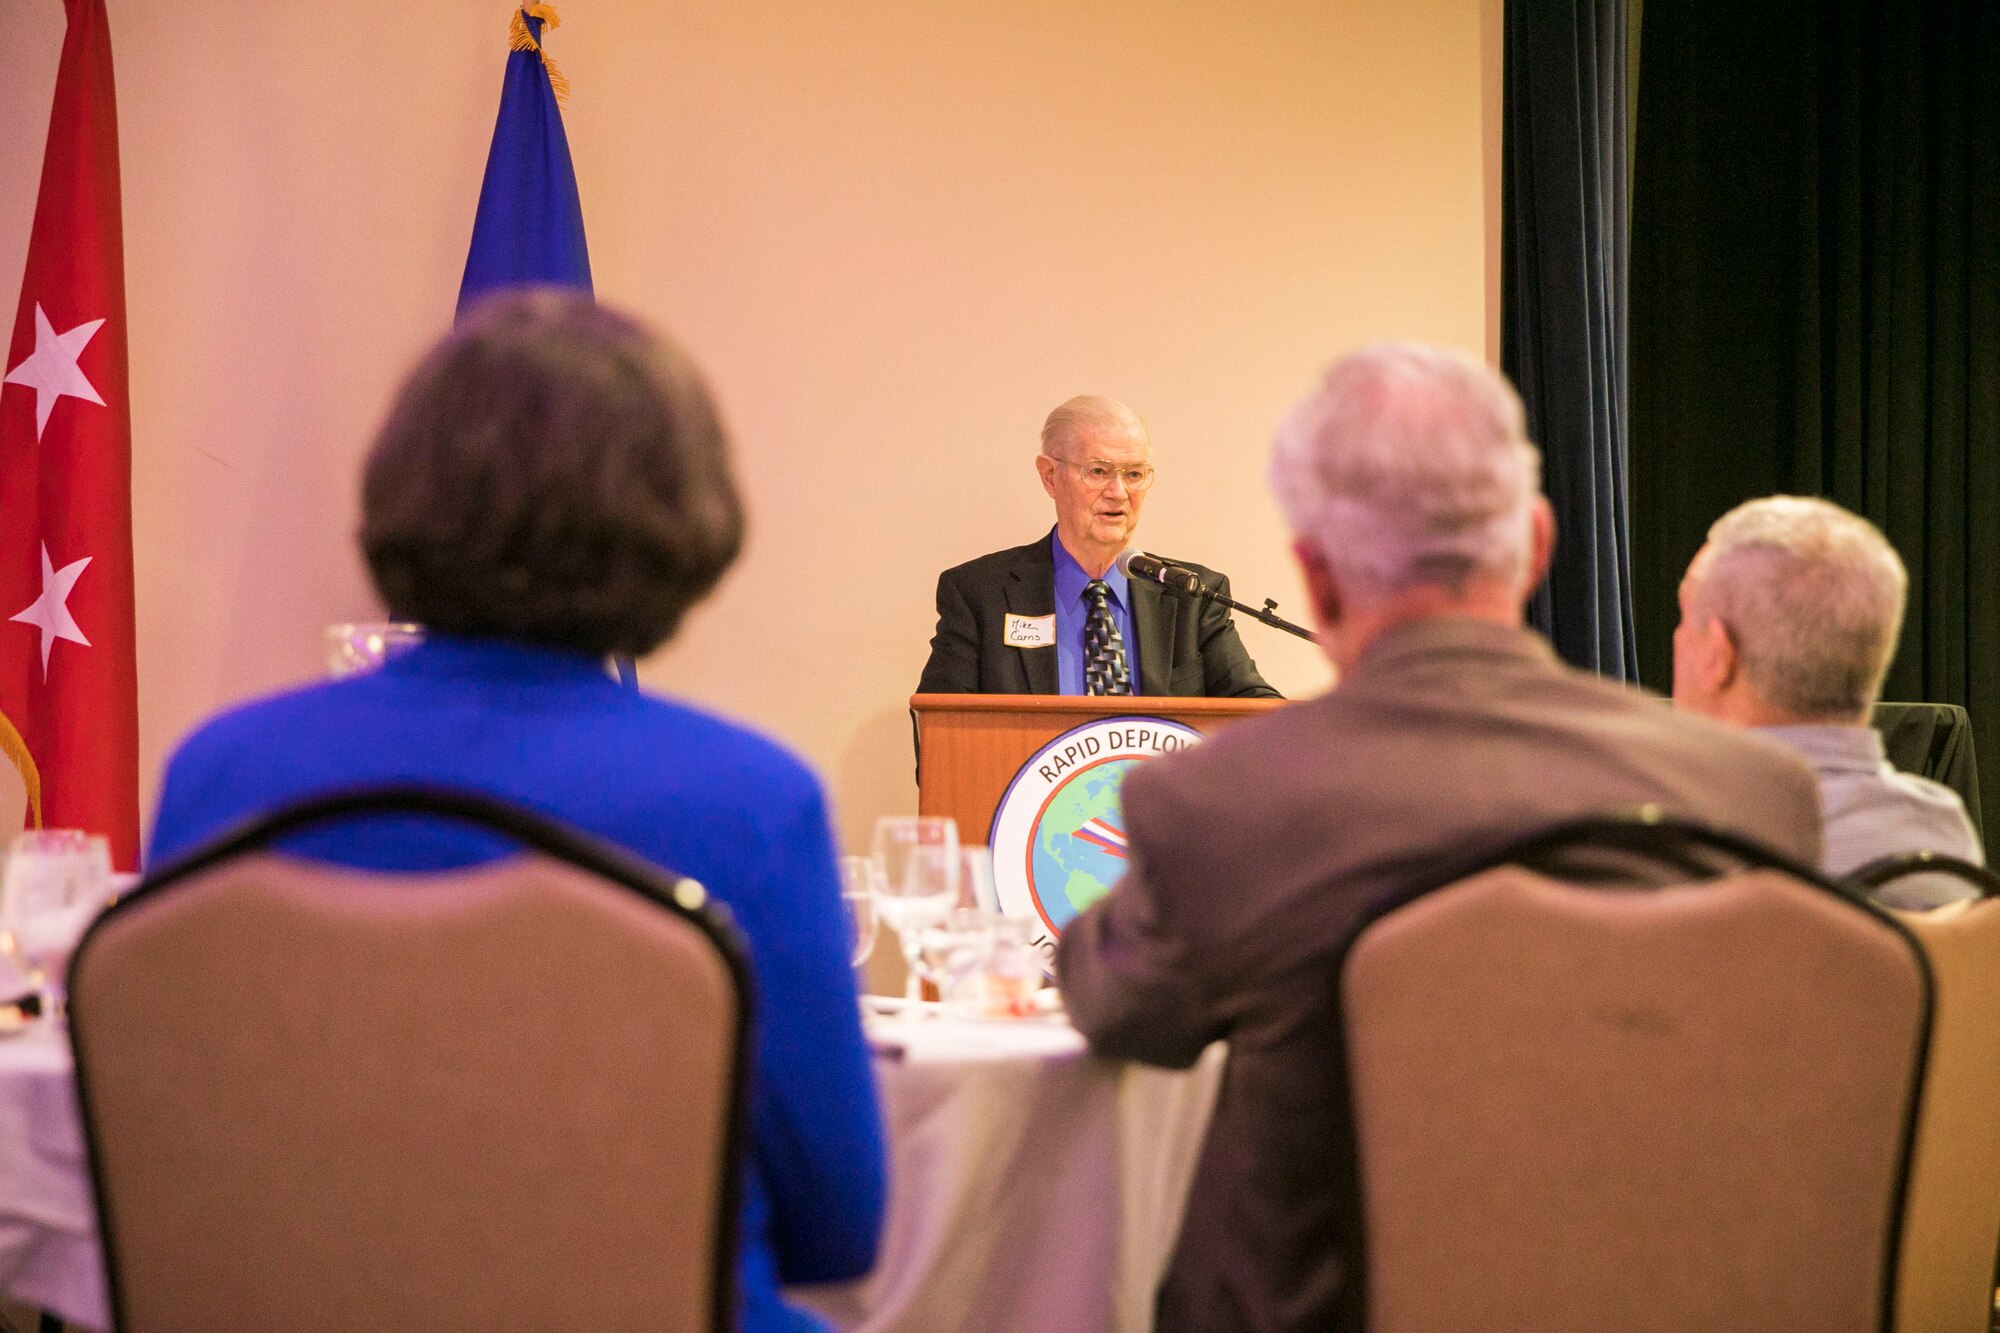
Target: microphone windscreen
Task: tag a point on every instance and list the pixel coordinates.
(1136, 564)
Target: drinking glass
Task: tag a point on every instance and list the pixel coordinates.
(956, 949)
(978, 870)
(55, 882)
(921, 881)
(1000, 978)
(860, 886)
(354, 648)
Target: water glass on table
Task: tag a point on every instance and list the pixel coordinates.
(54, 883)
(1004, 975)
(956, 949)
(860, 888)
(976, 864)
(921, 885)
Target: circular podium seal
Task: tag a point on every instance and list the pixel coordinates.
(1057, 837)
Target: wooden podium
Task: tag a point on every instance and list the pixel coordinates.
(970, 746)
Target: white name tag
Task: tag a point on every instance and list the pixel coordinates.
(1031, 631)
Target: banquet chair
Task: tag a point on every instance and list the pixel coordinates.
(1951, 1220)
(503, 1097)
(1932, 741)
(1592, 1091)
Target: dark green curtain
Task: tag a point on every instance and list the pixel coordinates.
(1816, 304)
(1562, 323)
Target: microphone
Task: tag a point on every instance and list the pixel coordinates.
(1136, 564)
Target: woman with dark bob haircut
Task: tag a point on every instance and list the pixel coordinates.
(550, 473)
(552, 485)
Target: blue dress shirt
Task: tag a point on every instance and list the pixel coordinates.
(549, 730)
(1073, 612)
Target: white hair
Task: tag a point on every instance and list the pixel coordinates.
(1410, 465)
(1087, 414)
(1813, 597)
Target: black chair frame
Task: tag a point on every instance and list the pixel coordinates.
(662, 888)
(1888, 869)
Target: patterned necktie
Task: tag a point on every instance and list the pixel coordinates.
(1103, 647)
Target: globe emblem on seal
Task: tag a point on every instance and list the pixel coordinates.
(1058, 838)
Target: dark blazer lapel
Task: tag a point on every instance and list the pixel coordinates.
(1031, 591)
(1154, 612)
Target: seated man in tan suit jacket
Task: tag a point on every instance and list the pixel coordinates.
(1414, 497)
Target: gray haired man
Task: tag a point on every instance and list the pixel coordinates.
(1058, 616)
(1416, 510)
(1789, 618)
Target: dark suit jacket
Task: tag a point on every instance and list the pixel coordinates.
(1253, 859)
(1185, 648)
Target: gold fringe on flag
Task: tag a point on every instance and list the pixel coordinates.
(519, 38)
(15, 751)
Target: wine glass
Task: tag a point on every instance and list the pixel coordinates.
(860, 886)
(354, 648)
(920, 884)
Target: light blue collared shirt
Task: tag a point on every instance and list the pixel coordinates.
(1871, 810)
(1073, 611)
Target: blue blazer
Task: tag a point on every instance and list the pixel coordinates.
(549, 730)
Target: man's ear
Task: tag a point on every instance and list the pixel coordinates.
(1724, 662)
(1045, 468)
(1322, 588)
(1541, 543)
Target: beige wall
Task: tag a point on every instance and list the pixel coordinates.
(894, 233)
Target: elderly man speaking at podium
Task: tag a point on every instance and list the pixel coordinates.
(1060, 615)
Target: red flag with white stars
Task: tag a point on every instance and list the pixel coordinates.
(69, 710)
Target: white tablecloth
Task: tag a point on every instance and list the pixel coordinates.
(48, 1228)
(1033, 1186)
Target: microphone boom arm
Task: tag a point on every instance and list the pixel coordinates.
(1150, 568)
(1267, 614)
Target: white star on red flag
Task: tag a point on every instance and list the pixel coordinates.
(51, 369)
(50, 612)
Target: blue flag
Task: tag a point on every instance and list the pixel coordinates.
(530, 223)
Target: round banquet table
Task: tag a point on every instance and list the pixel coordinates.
(48, 1226)
(1032, 1185)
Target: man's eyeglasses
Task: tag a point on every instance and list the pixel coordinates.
(1098, 473)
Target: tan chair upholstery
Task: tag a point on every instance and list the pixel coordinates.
(500, 1098)
(1951, 1220)
(1639, 1109)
